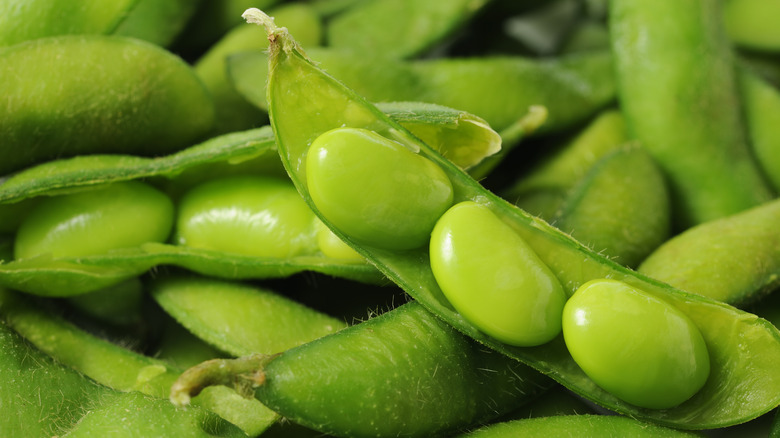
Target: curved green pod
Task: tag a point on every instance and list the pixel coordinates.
(142, 100)
(744, 349)
(752, 24)
(399, 29)
(542, 190)
(240, 319)
(157, 21)
(132, 414)
(496, 89)
(23, 20)
(678, 91)
(735, 259)
(403, 373)
(762, 116)
(233, 112)
(620, 208)
(580, 425)
(116, 367)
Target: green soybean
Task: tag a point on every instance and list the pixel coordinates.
(735, 259)
(142, 100)
(604, 212)
(247, 215)
(95, 222)
(520, 303)
(636, 346)
(23, 20)
(348, 182)
(586, 426)
(403, 373)
(678, 91)
(240, 319)
(728, 332)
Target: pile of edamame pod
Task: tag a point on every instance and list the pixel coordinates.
(389, 218)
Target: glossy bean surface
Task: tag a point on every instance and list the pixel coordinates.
(493, 278)
(376, 190)
(636, 346)
(93, 222)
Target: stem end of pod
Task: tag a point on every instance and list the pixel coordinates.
(242, 375)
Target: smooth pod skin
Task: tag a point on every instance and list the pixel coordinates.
(375, 189)
(258, 216)
(120, 215)
(97, 94)
(735, 259)
(238, 318)
(636, 346)
(762, 115)
(493, 278)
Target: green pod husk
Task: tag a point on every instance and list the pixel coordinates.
(678, 91)
(399, 29)
(24, 20)
(744, 349)
(496, 89)
(604, 212)
(581, 425)
(116, 367)
(403, 373)
(735, 259)
(142, 100)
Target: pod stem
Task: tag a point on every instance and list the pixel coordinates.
(279, 37)
(242, 374)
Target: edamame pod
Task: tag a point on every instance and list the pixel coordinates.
(399, 29)
(603, 426)
(752, 378)
(143, 100)
(762, 114)
(495, 88)
(233, 112)
(403, 373)
(157, 21)
(240, 319)
(735, 259)
(678, 92)
(620, 208)
(117, 367)
(752, 23)
(24, 20)
(543, 189)
(44, 396)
